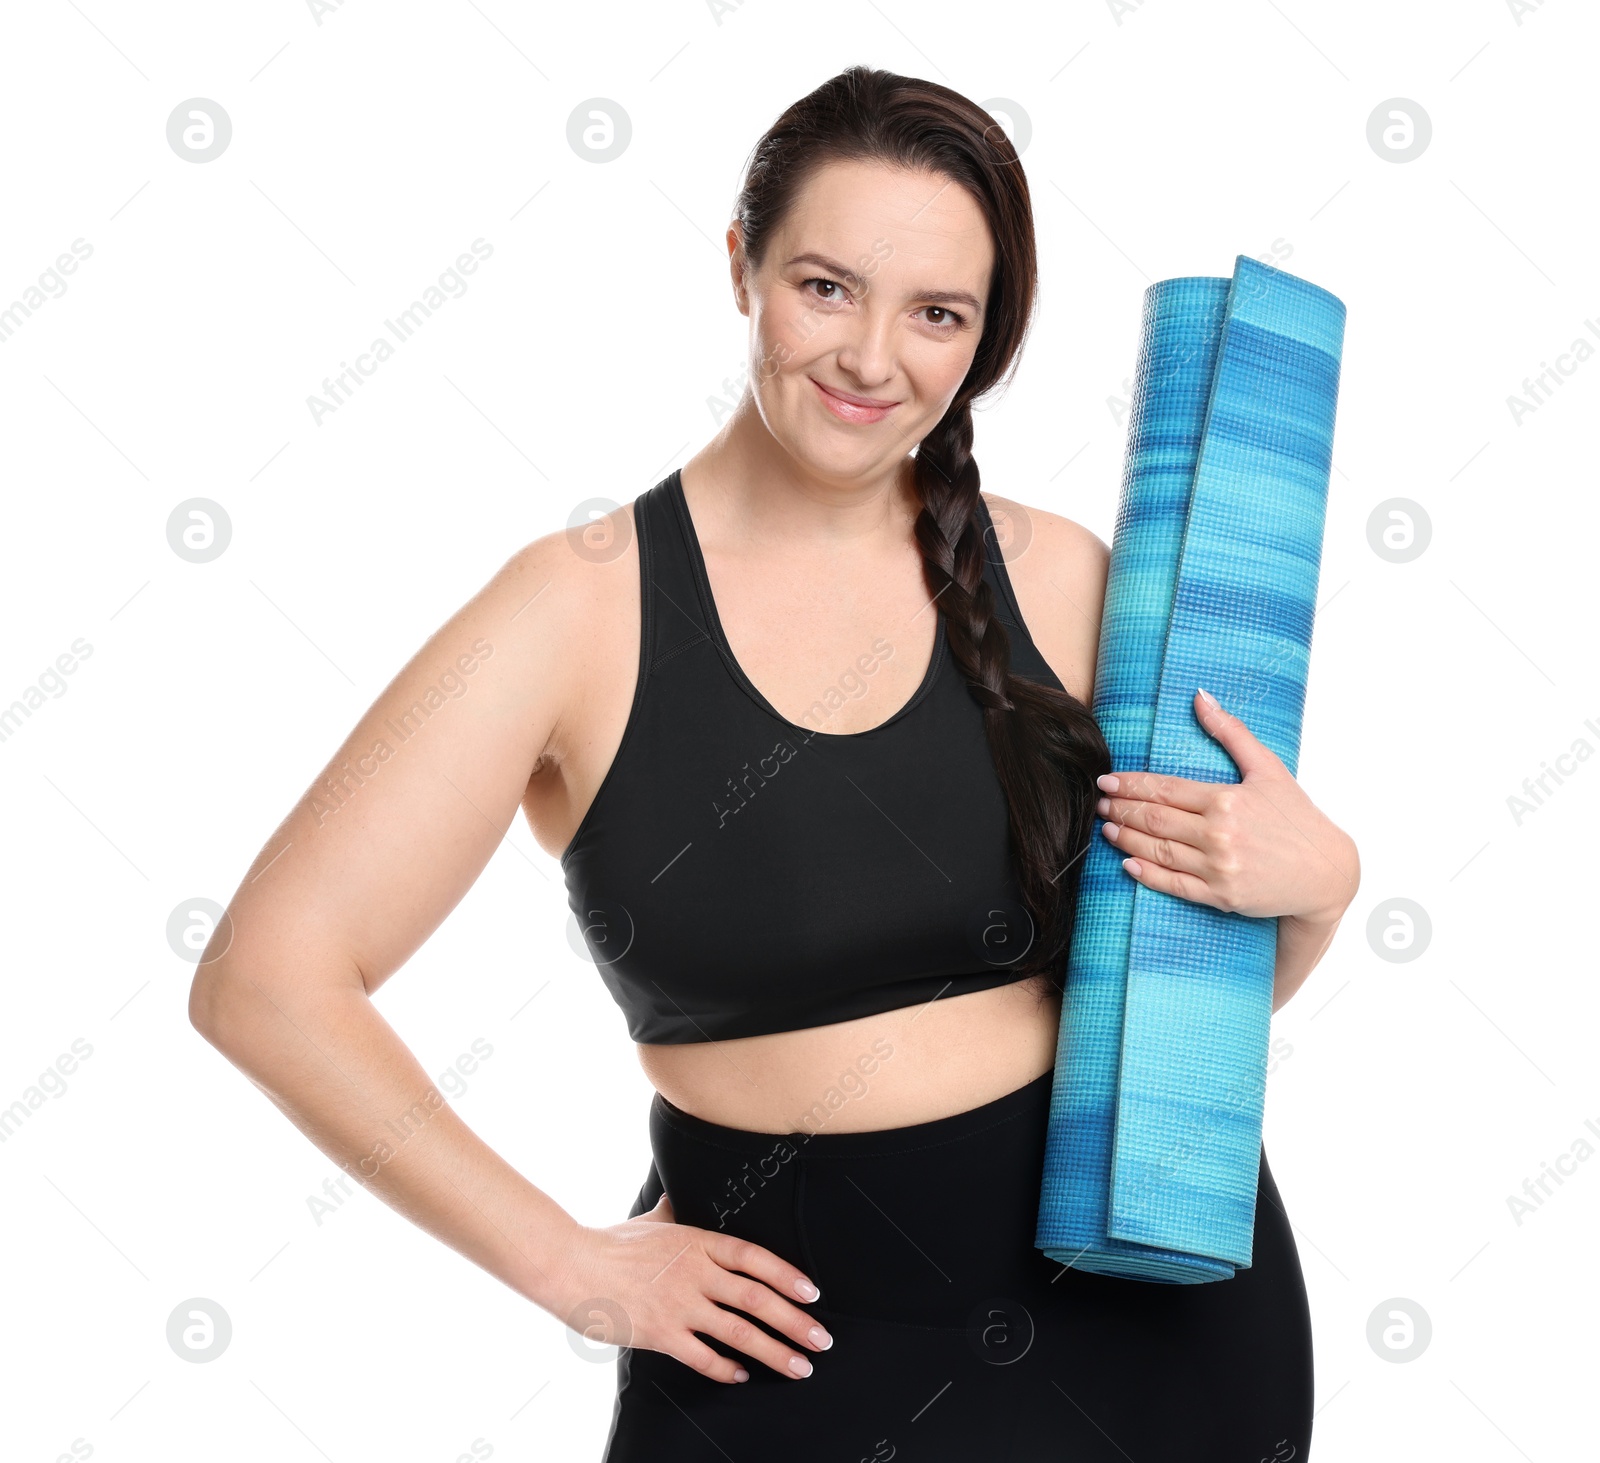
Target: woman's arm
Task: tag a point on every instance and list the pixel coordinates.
(367, 864)
(361, 872)
(1302, 942)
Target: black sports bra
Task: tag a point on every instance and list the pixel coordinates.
(738, 874)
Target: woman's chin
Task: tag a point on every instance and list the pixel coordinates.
(830, 449)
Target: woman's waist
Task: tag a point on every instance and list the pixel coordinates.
(917, 1223)
(891, 1070)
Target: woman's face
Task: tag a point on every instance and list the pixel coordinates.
(872, 289)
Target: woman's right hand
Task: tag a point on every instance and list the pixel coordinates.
(670, 1280)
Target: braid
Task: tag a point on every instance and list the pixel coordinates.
(952, 555)
(1042, 740)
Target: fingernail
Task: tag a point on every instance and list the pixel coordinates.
(1131, 865)
(1207, 697)
(1103, 806)
(800, 1366)
(1108, 783)
(1111, 830)
(819, 1338)
(741, 1375)
(807, 1290)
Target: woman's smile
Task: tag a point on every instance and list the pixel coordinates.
(849, 408)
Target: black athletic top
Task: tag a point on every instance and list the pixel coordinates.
(738, 874)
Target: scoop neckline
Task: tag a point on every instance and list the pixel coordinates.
(719, 636)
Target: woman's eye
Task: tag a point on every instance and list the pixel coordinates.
(830, 284)
(951, 318)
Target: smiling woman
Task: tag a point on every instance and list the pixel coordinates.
(835, 939)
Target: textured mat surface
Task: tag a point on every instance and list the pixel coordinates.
(1156, 1110)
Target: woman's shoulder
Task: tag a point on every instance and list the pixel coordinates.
(1062, 541)
(575, 591)
(586, 579)
(584, 558)
(1057, 569)
(560, 605)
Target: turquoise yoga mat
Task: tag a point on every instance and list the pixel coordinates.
(1154, 1142)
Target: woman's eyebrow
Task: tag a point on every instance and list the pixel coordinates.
(949, 297)
(833, 266)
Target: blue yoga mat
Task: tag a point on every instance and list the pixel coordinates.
(1154, 1142)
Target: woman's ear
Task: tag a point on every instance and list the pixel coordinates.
(738, 266)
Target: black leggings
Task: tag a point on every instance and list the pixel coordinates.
(954, 1338)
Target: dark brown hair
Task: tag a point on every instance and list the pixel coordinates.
(1047, 748)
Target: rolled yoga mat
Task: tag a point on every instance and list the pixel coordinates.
(1154, 1141)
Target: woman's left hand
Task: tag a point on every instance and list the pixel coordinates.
(1257, 847)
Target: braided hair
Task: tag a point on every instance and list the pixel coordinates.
(1046, 746)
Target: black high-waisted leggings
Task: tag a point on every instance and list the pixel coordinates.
(954, 1338)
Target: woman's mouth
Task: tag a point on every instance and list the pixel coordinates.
(849, 408)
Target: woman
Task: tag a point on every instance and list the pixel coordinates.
(822, 845)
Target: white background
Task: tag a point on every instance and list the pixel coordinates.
(371, 149)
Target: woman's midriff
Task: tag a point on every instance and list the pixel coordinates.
(899, 1067)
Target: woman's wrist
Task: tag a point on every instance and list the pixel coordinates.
(1342, 863)
(553, 1253)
